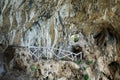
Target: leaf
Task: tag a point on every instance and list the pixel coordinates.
(30, 29)
(72, 37)
(33, 68)
(88, 62)
(76, 39)
(78, 62)
(86, 77)
(84, 68)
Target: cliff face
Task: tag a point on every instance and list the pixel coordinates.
(89, 27)
(28, 22)
(31, 22)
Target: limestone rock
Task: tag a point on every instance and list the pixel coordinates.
(50, 24)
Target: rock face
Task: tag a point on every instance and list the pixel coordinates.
(87, 27)
(23, 67)
(51, 23)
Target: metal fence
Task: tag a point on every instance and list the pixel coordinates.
(51, 53)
